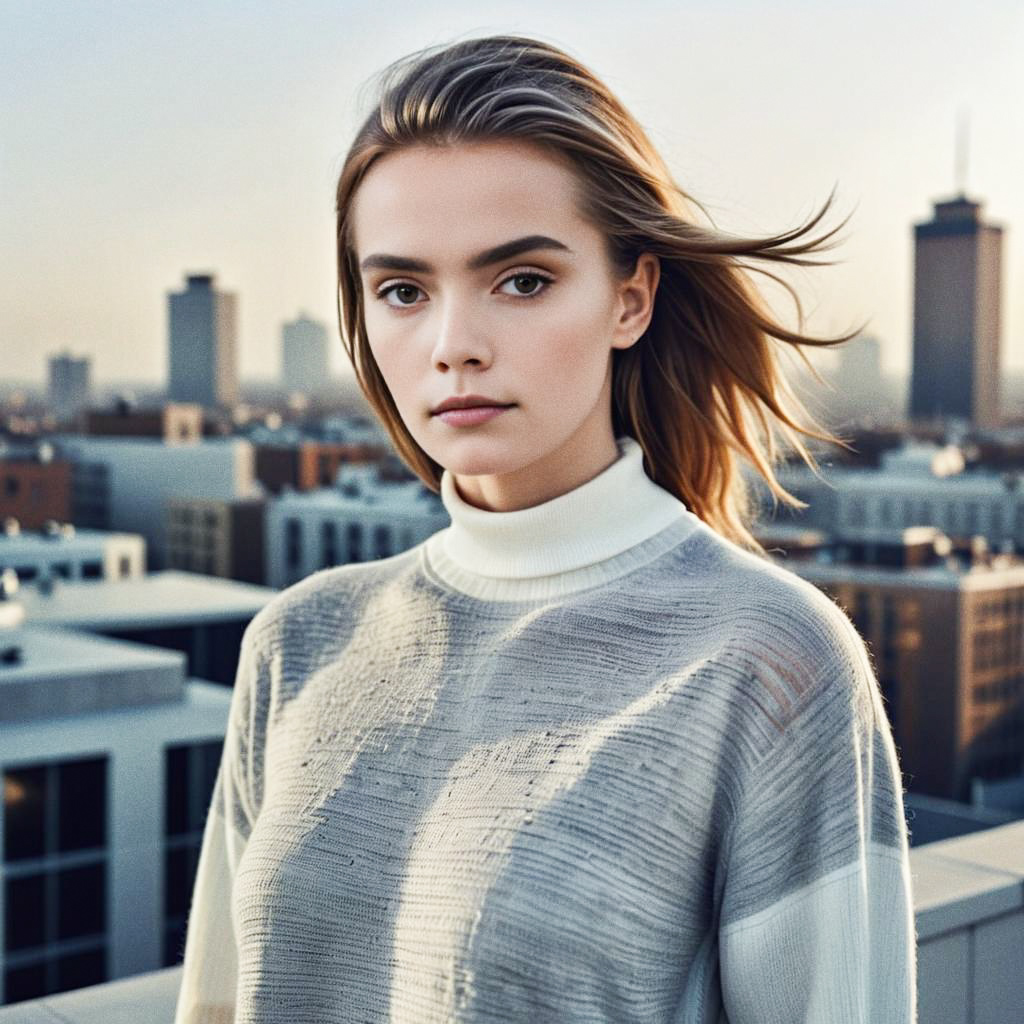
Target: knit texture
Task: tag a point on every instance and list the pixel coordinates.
(628, 773)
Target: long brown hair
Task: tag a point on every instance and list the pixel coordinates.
(705, 375)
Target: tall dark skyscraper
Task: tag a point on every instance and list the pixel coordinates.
(202, 335)
(957, 274)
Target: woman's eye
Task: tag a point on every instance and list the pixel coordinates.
(525, 285)
(405, 294)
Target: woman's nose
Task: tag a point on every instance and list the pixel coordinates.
(460, 334)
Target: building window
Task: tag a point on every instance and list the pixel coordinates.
(125, 567)
(92, 570)
(862, 613)
(61, 570)
(890, 701)
(972, 517)
(355, 542)
(173, 638)
(191, 772)
(55, 877)
(223, 643)
(329, 544)
(381, 542)
(293, 543)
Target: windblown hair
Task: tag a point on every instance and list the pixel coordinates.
(690, 390)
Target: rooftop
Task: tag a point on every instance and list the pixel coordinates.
(63, 672)
(169, 597)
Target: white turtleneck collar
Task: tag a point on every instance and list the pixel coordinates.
(585, 536)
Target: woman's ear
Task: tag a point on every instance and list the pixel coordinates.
(636, 301)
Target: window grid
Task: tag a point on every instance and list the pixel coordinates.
(55, 964)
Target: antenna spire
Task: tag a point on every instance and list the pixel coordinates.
(961, 152)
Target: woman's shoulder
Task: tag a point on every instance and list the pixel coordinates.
(777, 623)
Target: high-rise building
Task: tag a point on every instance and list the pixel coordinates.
(68, 385)
(203, 347)
(860, 363)
(304, 355)
(957, 271)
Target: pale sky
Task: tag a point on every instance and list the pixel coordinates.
(142, 141)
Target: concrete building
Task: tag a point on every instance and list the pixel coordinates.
(61, 552)
(359, 519)
(198, 616)
(945, 627)
(108, 760)
(305, 464)
(34, 485)
(859, 371)
(304, 363)
(203, 343)
(69, 385)
(860, 362)
(173, 422)
(957, 310)
(125, 484)
(915, 485)
(219, 538)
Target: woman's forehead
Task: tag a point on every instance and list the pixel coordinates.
(463, 197)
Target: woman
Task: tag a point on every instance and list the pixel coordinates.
(585, 754)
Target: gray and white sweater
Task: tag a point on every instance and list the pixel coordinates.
(586, 761)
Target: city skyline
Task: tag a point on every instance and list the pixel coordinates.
(144, 150)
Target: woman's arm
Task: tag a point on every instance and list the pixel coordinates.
(817, 922)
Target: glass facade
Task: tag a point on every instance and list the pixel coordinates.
(191, 771)
(212, 648)
(56, 867)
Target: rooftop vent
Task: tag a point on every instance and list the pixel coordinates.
(55, 530)
(12, 613)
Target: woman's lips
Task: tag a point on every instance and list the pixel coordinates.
(471, 417)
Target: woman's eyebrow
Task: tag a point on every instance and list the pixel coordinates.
(505, 251)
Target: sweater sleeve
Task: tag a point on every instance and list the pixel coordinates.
(209, 974)
(817, 921)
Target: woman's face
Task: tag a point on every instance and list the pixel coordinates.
(481, 277)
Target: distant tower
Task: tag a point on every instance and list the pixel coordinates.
(957, 275)
(203, 347)
(304, 355)
(69, 388)
(860, 364)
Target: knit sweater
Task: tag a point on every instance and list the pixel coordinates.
(585, 761)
